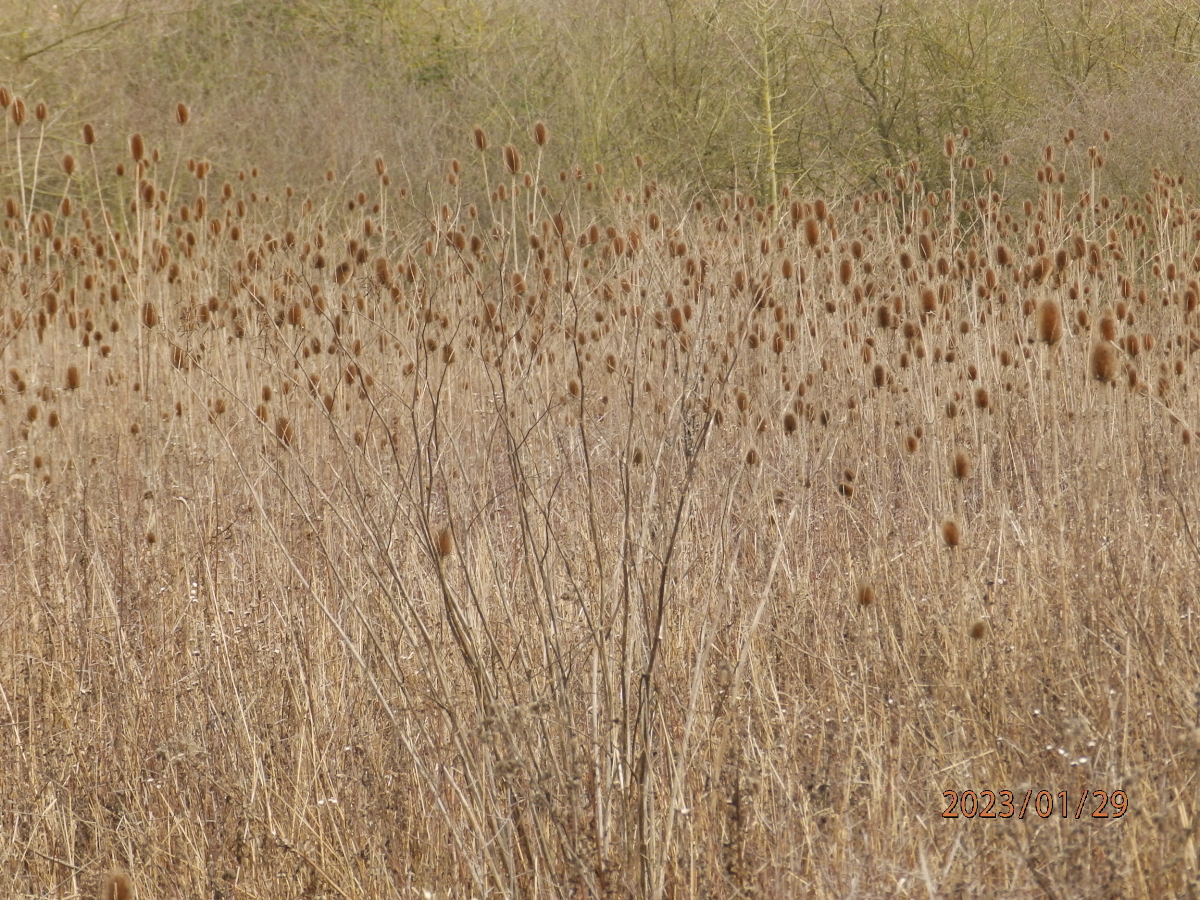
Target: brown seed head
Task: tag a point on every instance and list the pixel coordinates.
(962, 466)
(445, 542)
(978, 630)
(481, 139)
(1049, 322)
(540, 134)
(812, 233)
(18, 112)
(1102, 363)
(845, 271)
(512, 159)
(137, 147)
(866, 593)
(182, 114)
(117, 886)
(951, 533)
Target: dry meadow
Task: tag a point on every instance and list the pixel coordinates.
(536, 533)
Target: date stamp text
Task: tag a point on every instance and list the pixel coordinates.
(1095, 804)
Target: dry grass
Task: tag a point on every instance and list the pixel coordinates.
(590, 541)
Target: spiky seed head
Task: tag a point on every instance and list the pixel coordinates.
(445, 542)
(481, 140)
(962, 466)
(951, 533)
(137, 147)
(540, 134)
(182, 114)
(1102, 363)
(512, 159)
(812, 233)
(1049, 322)
(117, 886)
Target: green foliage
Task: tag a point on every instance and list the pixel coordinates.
(761, 94)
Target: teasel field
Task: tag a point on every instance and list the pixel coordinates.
(536, 533)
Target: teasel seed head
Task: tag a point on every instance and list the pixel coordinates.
(1108, 327)
(445, 542)
(962, 466)
(951, 533)
(512, 159)
(865, 593)
(1050, 324)
(812, 233)
(117, 886)
(1102, 362)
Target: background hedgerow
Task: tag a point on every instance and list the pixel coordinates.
(754, 95)
(516, 526)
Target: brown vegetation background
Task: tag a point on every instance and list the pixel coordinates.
(675, 507)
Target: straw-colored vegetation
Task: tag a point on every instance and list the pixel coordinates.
(538, 532)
